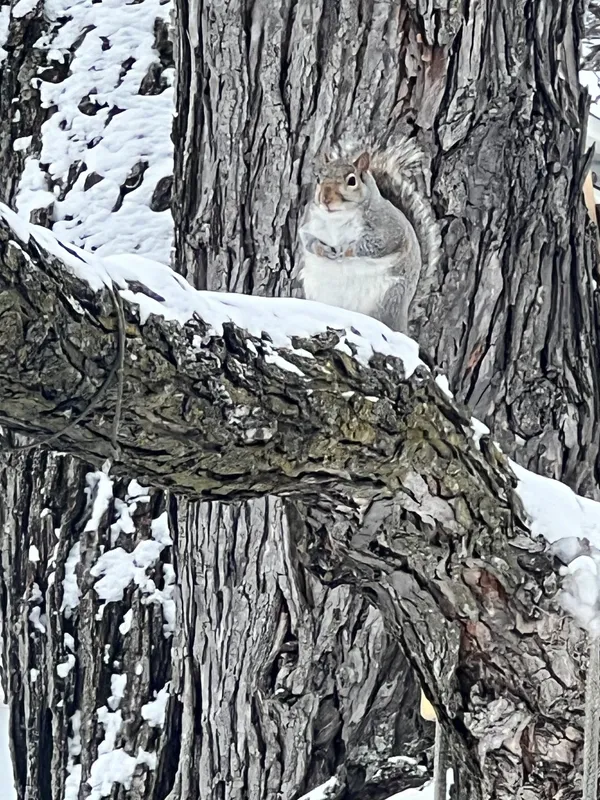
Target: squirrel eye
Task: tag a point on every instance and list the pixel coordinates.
(351, 180)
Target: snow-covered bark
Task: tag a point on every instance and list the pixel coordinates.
(85, 175)
(403, 502)
(230, 170)
(85, 118)
(492, 93)
(511, 315)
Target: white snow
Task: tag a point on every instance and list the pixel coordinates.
(23, 7)
(118, 684)
(37, 619)
(4, 22)
(117, 568)
(100, 488)
(34, 554)
(160, 529)
(571, 524)
(63, 669)
(282, 363)
(281, 318)
(139, 131)
(124, 522)
(71, 592)
(322, 792)
(125, 626)
(22, 143)
(424, 792)
(113, 764)
(154, 711)
(327, 790)
(134, 490)
(122, 129)
(555, 512)
(73, 780)
(7, 787)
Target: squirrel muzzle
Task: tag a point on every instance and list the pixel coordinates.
(328, 195)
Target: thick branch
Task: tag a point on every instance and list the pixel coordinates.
(211, 415)
(220, 417)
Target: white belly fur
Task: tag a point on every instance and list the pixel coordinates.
(357, 284)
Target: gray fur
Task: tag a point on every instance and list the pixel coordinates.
(384, 222)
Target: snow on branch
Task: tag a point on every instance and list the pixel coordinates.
(224, 395)
(231, 396)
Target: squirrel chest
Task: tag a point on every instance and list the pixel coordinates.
(357, 284)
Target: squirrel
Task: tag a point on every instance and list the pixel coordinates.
(367, 234)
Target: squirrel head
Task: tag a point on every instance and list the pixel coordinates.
(340, 183)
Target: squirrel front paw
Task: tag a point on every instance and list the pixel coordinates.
(326, 251)
(322, 250)
(333, 253)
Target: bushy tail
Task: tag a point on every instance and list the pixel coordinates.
(395, 169)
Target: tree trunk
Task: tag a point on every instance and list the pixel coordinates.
(388, 710)
(510, 316)
(242, 144)
(422, 519)
(538, 385)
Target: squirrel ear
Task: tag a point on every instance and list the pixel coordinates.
(325, 158)
(362, 162)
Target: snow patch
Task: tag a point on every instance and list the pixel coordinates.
(124, 135)
(23, 7)
(73, 780)
(100, 488)
(62, 670)
(322, 792)
(71, 593)
(125, 626)
(113, 764)
(424, 792)
(22, 143)
(118, 683)
(37, 619)
(175, 299)
(4, 22)
(117, 568)
(154, 711)
(137, 492)
(571, 524)
(556, 513)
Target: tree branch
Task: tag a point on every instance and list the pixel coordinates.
(211, 415)
(422, 520)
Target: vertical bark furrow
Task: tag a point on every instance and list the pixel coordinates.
(76, 658)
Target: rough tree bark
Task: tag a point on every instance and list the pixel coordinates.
(342, 725)
(242, 143)
(403, 504)
(428, 65)
(491, 90)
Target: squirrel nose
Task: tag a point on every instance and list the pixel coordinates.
(328, 195)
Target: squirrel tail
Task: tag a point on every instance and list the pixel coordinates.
(396, 169)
